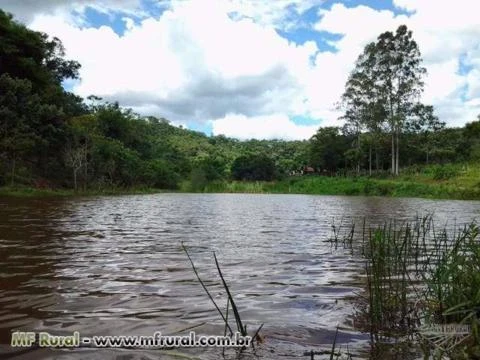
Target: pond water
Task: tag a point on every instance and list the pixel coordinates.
(115, 266)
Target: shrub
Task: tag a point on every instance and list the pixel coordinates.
(368, 188)
(444, 172)
(253, 167)
(385, 189)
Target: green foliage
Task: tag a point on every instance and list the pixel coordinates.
(33, 104)
(32, 56)
(256, 187)
(353, 156)
(115, 123)
(253, 167)
(326, 149)
(213, 167)
(29, 129)
(471, 134)
(444, 172)
(114, 163)
(159, 174)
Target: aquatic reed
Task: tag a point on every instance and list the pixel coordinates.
(418, 277)
(241, 327)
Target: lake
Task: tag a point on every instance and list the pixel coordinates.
(115, 266)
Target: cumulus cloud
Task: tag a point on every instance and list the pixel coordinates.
(26, 10)
(274, 126)
(445, 33)
(183, 67)
(233, 70)
(281, 14)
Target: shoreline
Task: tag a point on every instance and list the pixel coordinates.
(307, 185)
(361, 186)
(30, 192)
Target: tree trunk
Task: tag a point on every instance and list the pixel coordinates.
(85, 170)
(85, 176)
(393, 135)
(358, 151)
(14, 163)
(397, 161)
(370, 160)
(393, 152)
(75, 179)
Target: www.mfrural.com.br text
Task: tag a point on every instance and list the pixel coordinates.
(157, 340)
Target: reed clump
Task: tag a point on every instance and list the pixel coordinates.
(418, 281)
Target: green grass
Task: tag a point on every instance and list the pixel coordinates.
(435, 182)
(24, 191)
(451, 181)
(350, 186)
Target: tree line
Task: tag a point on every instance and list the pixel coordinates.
(52, 138)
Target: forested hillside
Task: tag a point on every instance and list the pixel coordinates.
(51, 138)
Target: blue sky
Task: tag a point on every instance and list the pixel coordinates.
(246, 68)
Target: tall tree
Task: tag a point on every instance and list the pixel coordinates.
(398, 75)
(362, 105)
(33, 103)
(18, 114)
(355, 103)
(28, 54)
(387, 80)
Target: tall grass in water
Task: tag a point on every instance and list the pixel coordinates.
(418, 278)
(454, 279)
(241, 327)
(452, 293)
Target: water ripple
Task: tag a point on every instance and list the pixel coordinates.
(115, 265)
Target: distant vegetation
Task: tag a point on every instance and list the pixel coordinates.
(53, 139)
(465, 184)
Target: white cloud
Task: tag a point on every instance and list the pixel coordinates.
(232, 66)
(187, 67)
(443, 81)
(129, 23)
(26, 10)
(444, 34)
(409, 5)
(274, 126)
(358, 26)
(281, 14)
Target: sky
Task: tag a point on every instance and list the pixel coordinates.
(254, 68)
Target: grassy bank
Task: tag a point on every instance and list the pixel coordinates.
(458, 181)
(437, 182)
(21, 191)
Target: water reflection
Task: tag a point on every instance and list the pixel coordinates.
(114, 265)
